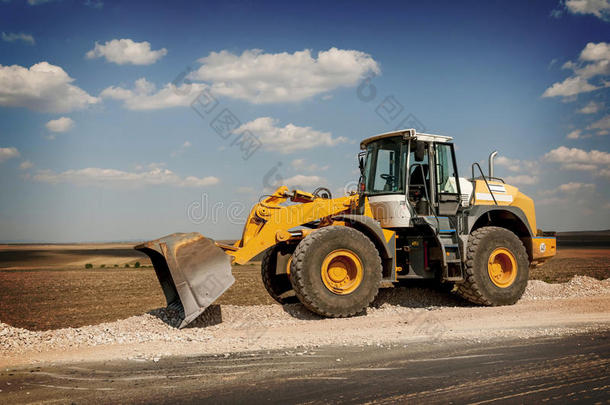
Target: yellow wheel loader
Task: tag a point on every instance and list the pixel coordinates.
(412, 217)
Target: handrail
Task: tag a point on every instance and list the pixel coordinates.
(430, 207)
(484, 179)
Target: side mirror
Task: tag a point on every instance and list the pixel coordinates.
(420, 151)
(361, 156)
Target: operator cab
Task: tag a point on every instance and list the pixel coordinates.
(407, 174)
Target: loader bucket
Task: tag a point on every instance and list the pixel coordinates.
(192, 270)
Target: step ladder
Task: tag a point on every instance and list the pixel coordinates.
(453, 268)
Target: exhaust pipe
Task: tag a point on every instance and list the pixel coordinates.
(492, 156)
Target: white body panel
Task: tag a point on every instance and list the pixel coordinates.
(390, 210)
(466, 188)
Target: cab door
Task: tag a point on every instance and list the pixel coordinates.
(447, 185)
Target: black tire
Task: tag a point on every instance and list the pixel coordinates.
(305, 271)
(277, 285)
(478, 287)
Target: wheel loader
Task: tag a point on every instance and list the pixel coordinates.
(412, 217)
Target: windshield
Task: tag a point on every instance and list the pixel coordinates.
(385, 166)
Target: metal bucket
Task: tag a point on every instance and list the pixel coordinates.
(192, 270)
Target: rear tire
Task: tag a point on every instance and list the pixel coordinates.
(496, 269)
(336, 271)
(277, 283)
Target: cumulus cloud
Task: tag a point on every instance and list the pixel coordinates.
(301, 164)
(566, 155)
(301, 181)
(574, 134)
(145, 96)
(38, 2)
(126, 51)
(579, 166)
(98, 4)
(8, 153)
(603, 124)
(569, 87)
(598, 8)
(593, 61)
(93, 176)
(259, 77)
(591, 108)
(521, 180)
(575, 187)
(515, 165)
(245, 190)
(26, 164)
(62, 124)
(42, 87)
(13, 37)
(289, 138)
(596, 162)
(181, 150)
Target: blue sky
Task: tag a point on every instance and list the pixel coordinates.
(99, 142)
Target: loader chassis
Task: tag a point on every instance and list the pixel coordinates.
(412, 218)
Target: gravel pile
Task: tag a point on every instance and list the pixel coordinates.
(579, 286)
(229, 327)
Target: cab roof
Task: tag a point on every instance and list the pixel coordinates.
(409, 133)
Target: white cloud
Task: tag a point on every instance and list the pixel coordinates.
(93, 176)
(579, 166)
(62, 124)
(98, 4)
(301, 164)
(574, 187)
(260, 77)
(511, 164)
(181, 150)
(591, 108)
(42, 87)
(300, 181)
(602, 124)
(566, 155)
(13, 36)
(245, 190)
(145, 96)
(593, 61)
(523, 179)
(598, 8)
(26, 164)
(569, 87)
(574, 134)
(38, 2)
(515, 165)
(8, 153)
(126, 51)
(595, 52)
(289, 138)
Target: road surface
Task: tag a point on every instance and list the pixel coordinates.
(542, 370)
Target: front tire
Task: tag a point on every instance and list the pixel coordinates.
(277, 281)
(497, 267)
(336, 271)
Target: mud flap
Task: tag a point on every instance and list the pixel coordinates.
(192, 270)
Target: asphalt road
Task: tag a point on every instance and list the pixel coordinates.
(549, 370)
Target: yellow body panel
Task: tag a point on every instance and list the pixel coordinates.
(543, 248)
(511, 196)
(269, 221)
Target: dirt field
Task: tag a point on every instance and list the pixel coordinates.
(48, 287)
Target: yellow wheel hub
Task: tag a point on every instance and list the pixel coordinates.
(342, 271)
(502, 267)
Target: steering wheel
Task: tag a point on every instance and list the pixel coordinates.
(388, 178)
